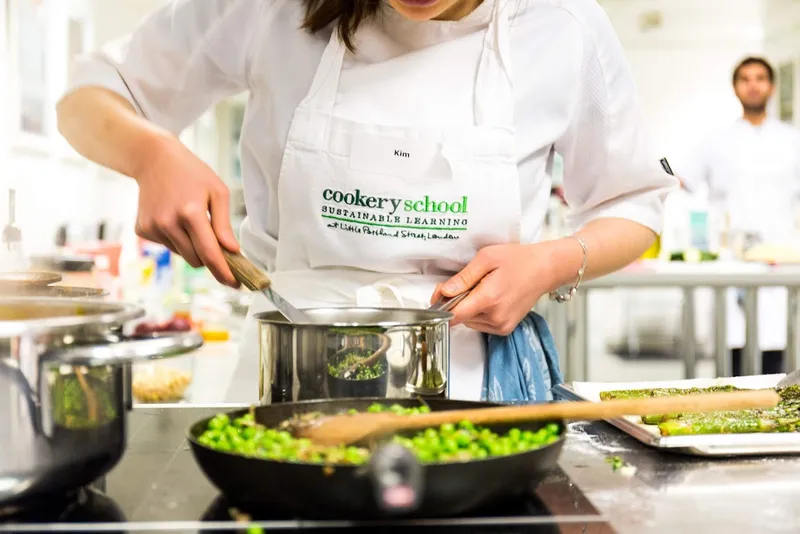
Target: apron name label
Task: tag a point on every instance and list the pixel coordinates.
(423, 218)
(396, 156)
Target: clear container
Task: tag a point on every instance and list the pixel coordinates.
(166, 381)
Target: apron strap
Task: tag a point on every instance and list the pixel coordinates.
(494, 86)
(316, 108)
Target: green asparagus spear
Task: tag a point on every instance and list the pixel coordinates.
(785, 417)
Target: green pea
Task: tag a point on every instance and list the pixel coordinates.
(218, 422)
(466, 425)
(426, 456)
(463, 439)
(448, 428)
(214, 435)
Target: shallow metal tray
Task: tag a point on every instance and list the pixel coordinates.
(716, 445)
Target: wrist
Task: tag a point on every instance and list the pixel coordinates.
(566, 257)
(152, 146)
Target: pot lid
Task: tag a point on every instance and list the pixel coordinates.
(52, 291)
(28, 279)
(27, 315)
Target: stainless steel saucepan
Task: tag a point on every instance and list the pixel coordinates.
(355, 352)
(62, 394)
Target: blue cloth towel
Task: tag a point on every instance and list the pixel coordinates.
(522, 367)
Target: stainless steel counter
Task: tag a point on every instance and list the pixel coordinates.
(677, 494)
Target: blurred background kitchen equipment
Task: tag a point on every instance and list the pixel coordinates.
(11, 254)
(72, 292)
(24, 280)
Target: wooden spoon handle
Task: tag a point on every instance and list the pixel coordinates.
(712, 402)
(245, 272)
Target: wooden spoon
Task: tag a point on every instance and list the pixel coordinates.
(355, 428)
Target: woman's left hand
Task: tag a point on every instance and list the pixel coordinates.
(506, 282)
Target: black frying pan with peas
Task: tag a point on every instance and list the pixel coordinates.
(451, 474)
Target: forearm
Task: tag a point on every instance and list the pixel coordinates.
(104, 127)
(611, 245)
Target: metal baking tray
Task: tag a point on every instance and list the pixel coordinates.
(714, 445)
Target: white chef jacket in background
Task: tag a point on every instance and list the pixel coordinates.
(573, 93)
(752, 173)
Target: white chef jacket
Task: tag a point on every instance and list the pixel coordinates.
(752, 173)
(574, 95)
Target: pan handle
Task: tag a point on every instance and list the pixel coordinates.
(26, 391)
(446, 304)
(397, 479)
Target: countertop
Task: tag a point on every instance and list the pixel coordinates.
(671, 493)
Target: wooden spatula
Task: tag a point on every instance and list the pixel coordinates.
(346, 429)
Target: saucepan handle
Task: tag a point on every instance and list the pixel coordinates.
(397, 479)
(448, 303)
(123, 350)
(25, 389)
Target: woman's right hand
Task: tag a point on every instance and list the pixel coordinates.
(177, 191)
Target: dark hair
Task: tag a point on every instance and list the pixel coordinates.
(754, 61)
(348, 15)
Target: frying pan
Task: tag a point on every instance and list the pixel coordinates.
(357, 492)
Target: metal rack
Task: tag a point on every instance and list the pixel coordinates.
(569, 321)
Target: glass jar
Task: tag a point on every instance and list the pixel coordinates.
(166, 381)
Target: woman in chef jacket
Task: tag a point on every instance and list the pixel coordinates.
(391, 151)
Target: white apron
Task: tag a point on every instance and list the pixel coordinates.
(378, 214)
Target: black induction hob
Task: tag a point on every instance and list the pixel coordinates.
(157, 487)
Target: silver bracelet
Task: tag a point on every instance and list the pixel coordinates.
(566, 297)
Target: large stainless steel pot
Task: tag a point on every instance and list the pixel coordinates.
(62, 409)
(404, 353)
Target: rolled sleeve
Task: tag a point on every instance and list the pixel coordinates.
(610, 169)
(179, 61)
